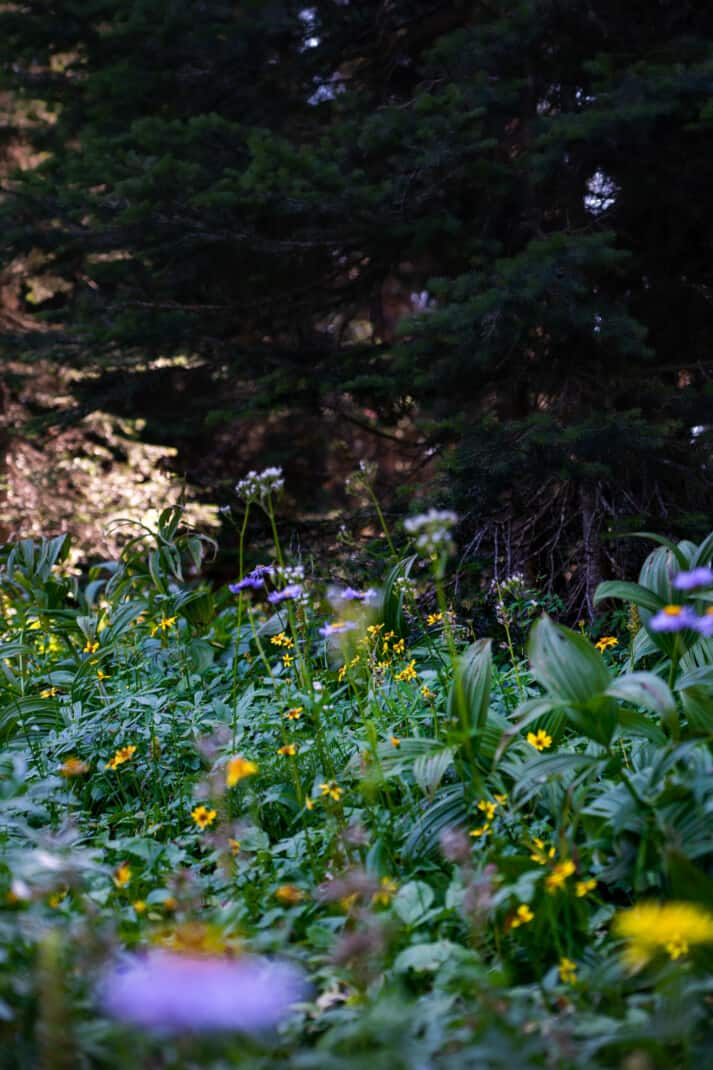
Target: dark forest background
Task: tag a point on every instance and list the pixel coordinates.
(470, 241)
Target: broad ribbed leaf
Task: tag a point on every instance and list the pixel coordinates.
(629, 592)
(469, 695)
(644, 689)
(565, 663)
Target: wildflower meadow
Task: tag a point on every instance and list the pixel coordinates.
(315, 818)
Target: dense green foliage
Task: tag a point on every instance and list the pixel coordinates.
(447, 838)
(260, 189)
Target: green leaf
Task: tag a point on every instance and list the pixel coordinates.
(644, 689)
(629, 592)
(413, 901)
(469, 696)
(393, 599)
(429, 769)
(565, 663)
(426, 958)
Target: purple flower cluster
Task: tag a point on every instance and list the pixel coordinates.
(172, 992)
(253, 581)
(289, 593)
(675, 618)
(337, 628)
(697, 577)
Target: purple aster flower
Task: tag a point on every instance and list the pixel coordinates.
(673, 619)
(350, 595)
(172, 992)
(704, 624)
(252, 582)
(697, 577)
(337, 628)
(293, 590)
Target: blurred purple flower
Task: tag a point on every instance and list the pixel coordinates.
(337, 628)
(247, 582)
(293, 590)
(350, 595)
(674, 619)
(704, 624)
(697, 577)
(172, 992)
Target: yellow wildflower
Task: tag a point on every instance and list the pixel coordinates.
(57, 897)
(49, 692)
(387, 889)
(287, 750)
(122, 875)
(287, 660)
(672, 927)
(540, 853)
(434, 618)
(399, 646)
(234, 845)
(281, 639)
(427, 693)
(394, 741)
(139, 906)
(605, 642)
(102, 675)
(73, 767)
(523, 915)
(539, 740)
(309, 803)
(500, 799)
(409, 673)
(342, 673)
(289, 894)
(480, 831)
(203, 817)
(124, 754)
(582, 888)
(295, 713)
(331, 789)
(488, 808)
(559, 875)
(237, 769)
(567, 971)
(91, 646)
(374, 629)
(163, 625)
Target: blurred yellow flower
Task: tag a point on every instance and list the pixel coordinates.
(91, 646)
(567, 971)
(331, 789)
(409, 673)
(488, 808)
(237, 769)
(122, 875)
(477, 833)
(163, 625)
(295, 713)
(559, 875)
(287, 750)
(49, 692)
(282, 639)
(289, 894)
(434, 618)
(541, 854)
(582, 888)
(73, 767)
(523, 915)
(387, 889)
(672, 927)
(394, 741)
(605, 642)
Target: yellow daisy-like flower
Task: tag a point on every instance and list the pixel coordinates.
(282, 639)
(652, 927)
(539, 740)
(480, 831)
(72, 766)
(91, 646)
(234, 846)
(434, 618)
(583, 888)
(541, 854)
(409, 673)
(567, 971)
(309, 803)
(102, 675)
(139, 906)
(605, 642)
(488, 808)
(500, 799)
(287, 750)
(122, 875)
(523, 915)
(556, 879)
(124, 754)
(394, 741)
(237, 769)
(287, 660)
(289, 894)
(399, 646)
(295, 713)
(163, 625)
(49, 692)
(203, 817)
(331, 789)
(427, 693)
(387, 890)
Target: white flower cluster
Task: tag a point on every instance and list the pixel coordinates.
(432, 530)
(292, 576)
(258, 485)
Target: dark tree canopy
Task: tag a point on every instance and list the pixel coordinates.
(492, 217)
